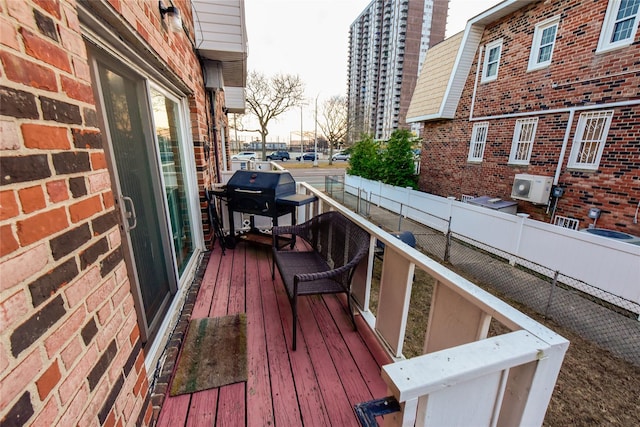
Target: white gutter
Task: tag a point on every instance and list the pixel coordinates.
(559, 110)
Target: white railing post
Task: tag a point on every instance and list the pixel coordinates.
(361, 284)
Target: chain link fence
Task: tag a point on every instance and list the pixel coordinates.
(569, 302)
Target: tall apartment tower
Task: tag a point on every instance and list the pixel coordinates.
(387, 46)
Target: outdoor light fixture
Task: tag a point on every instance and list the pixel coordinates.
(174, 21)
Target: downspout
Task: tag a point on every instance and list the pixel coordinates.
(475, 84)
(216, 154)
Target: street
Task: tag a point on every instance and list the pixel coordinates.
(315, 176)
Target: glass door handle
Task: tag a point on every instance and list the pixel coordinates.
(129, 214)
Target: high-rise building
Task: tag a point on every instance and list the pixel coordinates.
(387, 46)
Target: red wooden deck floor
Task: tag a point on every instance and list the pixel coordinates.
(333, 368)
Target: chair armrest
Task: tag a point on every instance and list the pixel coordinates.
(309, 277)
(286, 229)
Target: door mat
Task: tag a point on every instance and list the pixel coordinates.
(214, 354)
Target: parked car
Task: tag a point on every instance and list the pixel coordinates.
(309, 156)
(341, 156)
(245, 155)
(279, 155)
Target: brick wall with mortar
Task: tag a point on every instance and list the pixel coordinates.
(577, 76)
(70, 347)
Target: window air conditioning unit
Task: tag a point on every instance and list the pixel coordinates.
(532, 188)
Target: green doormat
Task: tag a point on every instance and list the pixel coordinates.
(214, 354)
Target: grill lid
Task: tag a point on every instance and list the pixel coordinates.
(280, 181)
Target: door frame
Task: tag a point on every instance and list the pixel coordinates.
(191, 182)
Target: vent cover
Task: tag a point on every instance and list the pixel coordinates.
(521, 188)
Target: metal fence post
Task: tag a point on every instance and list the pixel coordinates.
(447, 244)
(400, 218)
(553, 288)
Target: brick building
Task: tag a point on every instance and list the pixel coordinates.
(538, 89)
(113, 120)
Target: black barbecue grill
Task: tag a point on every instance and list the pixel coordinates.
(265, 193)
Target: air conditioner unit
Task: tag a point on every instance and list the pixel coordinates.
(532, 188)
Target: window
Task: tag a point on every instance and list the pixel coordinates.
(620, 24)
(589, 140)
(478, 141)
(491, 61)
(523, 137)
(544, 38)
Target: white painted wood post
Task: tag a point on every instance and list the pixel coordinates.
(361, 284)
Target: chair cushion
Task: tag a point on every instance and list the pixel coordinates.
(291, 263)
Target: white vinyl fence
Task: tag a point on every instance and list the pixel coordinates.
(603, 263)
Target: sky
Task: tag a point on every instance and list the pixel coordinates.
(310, 38)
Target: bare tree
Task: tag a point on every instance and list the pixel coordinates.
(269, 97)
(334, 124)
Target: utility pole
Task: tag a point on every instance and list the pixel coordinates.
(315, 137)
(301, 136)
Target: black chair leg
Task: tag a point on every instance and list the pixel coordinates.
(295, 318)
(353, 318)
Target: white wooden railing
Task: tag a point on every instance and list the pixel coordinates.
(464, 377)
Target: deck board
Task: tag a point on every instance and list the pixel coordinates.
(205, 295)
(333, 368)
(356, 388)
(258, 385)
(202, 410)
(220, 299)
(329, 381)
(228, 300)
(283, 393)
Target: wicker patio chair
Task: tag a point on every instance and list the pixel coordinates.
(337, 246)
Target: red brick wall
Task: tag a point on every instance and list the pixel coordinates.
(70, 349)
(578, 76)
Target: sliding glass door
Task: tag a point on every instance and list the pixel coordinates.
(152, 175)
